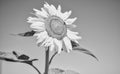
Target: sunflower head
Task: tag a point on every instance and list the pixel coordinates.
(51, 26)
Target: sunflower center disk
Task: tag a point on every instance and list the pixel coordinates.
(56, 27)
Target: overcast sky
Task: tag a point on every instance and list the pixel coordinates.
(98, 23)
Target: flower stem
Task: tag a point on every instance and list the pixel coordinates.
(52, 58)
(47, 61)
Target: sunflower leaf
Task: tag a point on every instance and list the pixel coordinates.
(26, 34)
(85, 51)
(74, 44)
(20, 59)
(76, 47)
(23, 57)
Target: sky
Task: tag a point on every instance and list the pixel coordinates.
(98, 23)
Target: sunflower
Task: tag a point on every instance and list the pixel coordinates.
(51, 26)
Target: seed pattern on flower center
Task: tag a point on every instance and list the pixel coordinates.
(56, 27)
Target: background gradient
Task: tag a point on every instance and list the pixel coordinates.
(98, 23)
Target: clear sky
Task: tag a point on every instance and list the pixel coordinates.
(98, 23)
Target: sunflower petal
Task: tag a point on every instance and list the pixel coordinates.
(59, 13)
(66, 15)
(38, 26)
(71, 26)
(47, 42)
(41, 36)
(52, 47)
(67, 43)
(70, 21)
(40, 13)
(59, 45)
(46, 5)
(59, 8)
(50, 9)
(33, 20)
(69, 31)
(53, 10)
(44, 11)
(72, 35)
